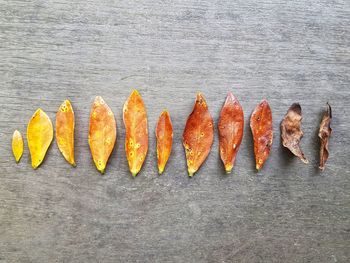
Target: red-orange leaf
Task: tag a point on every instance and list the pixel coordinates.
(164, 135)
(262, 130)
(136, 131)
(198, 135)
(230, 126)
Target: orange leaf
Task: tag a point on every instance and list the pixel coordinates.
(230, 126)
(198, 135)
(164, 135)
(65, 131)
(262, 130)
(102, 133)
(136, 131)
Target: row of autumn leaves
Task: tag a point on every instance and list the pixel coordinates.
(197, 137)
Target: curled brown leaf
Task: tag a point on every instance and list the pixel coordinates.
(291, 132)
(324, 134)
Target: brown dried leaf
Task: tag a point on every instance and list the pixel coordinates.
(324, 135)
(291, 132)
(230, 126)
(262, 130)
(198, 135)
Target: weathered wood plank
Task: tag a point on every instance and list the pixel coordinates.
(286, 52)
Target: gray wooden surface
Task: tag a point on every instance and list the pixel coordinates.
(285, 52)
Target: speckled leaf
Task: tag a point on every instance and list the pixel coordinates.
(164, 135)
(262, 130)
(324, 135)
(291, 132)
(39, 136)
(17, 145)
(102, 133)
(198, 135)
(136, 131)
(65, 131)
(230, 126)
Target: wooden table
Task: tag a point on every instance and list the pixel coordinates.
(297, 51)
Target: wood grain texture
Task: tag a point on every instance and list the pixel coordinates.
(287, 52)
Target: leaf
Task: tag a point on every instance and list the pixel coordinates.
(262, 130)
(230, 126)
(17, 145)
(102, 133)
(164, 135)
(291, 132)
(324, 135)
(65, 131)
(136, 131)
(39, 136)
(198, 135)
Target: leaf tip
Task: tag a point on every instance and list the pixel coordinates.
(134, 172)
(306, 161)
(264, 102)
(199, 95)
(230, 95)
(329, 110)
(98, 99)
(135, 92)
(296, 108)
(228, 168)
(191, 172)
(38, 111)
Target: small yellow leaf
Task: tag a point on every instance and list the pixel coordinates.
(39, 136)
(17, 145)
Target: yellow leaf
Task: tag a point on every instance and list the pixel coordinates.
(17, 145)
(39, 136)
